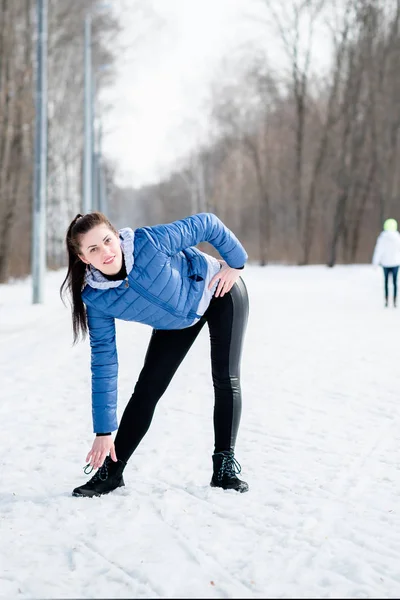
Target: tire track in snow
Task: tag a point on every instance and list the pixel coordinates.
(130, 576)
(226, 578)
(345, 486)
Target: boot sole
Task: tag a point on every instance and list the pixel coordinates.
(93, 494)
(239, 489)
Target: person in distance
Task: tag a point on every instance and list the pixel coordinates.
(387, 254)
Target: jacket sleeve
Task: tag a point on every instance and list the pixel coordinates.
(376, 258)
(203, 227)
(104, 365)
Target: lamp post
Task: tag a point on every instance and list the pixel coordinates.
(102, 190)
(89, 93)
(40, 157)
(88, 118)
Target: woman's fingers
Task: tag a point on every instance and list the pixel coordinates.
(213, 281)
(220, 276)
(93, 458)
(227, 287)
(100, 449)
(226, 278)
(220, 287)
(102, 458)
(113, 454)
(224, 286)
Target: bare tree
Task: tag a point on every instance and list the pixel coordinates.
(242, 112)
(15, 108)
(332, 114)
(295, 22)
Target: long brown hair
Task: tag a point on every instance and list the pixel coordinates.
(75, 278)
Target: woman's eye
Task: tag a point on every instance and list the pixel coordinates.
(108, 240)
(92, 250)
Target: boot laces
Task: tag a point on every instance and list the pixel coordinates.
(101, 474)
(229, 467)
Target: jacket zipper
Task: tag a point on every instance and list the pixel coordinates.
(154, 300)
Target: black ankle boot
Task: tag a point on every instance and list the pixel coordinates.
(106, 479)
(226, 467)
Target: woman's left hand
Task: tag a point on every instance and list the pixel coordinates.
(227, 277)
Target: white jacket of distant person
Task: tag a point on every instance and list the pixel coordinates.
(387, 247)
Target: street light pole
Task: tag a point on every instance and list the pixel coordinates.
(88, 118)
(40, 157)
(102, 174)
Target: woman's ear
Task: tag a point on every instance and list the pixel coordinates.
(83, 259)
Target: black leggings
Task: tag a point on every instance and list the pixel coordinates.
(226, 317)
(386, 272)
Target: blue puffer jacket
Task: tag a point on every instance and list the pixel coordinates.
(166, 287)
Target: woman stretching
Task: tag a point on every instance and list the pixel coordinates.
(156, 276)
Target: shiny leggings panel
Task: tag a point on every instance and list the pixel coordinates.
(226, 318)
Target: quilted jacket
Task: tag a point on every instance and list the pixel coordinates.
(166, 287)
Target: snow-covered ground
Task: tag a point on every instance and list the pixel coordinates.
(318, 443)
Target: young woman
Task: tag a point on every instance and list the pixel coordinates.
(387, 254)
(155, 275)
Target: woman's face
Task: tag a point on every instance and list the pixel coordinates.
(101, 248)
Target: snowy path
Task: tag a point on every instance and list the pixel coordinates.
(318, 444)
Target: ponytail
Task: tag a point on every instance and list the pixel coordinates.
(74, 281)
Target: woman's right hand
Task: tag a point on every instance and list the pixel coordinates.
(103, 445)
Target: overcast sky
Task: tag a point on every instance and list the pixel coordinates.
(163, 76)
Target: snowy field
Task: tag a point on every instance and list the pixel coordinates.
(318, 444)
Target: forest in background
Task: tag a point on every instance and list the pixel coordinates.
(65, 75)
(302, 165)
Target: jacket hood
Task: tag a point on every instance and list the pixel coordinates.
(96, 279)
